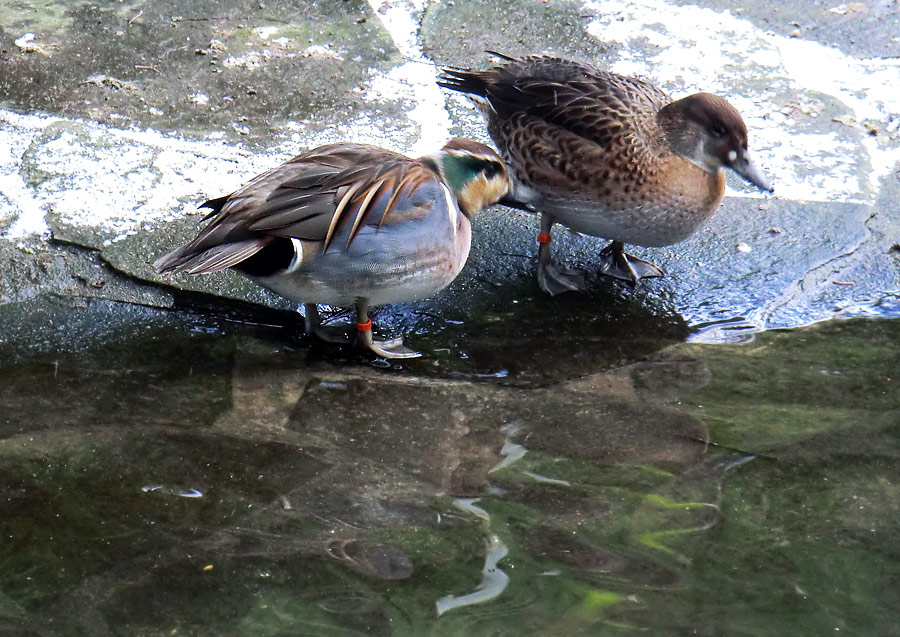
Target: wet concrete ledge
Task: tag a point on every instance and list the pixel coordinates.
(110, 148)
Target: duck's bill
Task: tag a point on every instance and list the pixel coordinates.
(745, 167)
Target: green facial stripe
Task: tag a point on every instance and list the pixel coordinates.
(459, 170)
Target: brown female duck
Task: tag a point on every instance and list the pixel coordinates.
(607, 155)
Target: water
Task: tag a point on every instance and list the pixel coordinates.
(550, 466)
(171, 474)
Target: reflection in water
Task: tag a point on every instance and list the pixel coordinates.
(546, 480)
(374, 560)
(252, 491)
(510, 450)
(182, 493)
(493, 580)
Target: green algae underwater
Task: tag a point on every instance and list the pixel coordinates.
(181, 478)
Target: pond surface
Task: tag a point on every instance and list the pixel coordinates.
(185, 475)
(554, 466)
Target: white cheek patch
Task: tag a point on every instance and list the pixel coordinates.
(732, 155)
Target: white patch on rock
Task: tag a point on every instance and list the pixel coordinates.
(248, 60)
(415, 81)
(362, 129)
(323, 52)
(265, 33)
(18, 200)
(116, 181)
(24, 41)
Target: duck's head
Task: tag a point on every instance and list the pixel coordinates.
(710, 132)
(474, 173)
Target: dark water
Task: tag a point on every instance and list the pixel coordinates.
(178, 475)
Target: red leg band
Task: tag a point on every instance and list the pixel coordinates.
(364, 327)
(544, 238)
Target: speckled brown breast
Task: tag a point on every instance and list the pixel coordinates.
(628, 192)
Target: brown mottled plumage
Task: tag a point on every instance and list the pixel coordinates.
(607, 155)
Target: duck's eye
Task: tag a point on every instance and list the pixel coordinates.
(718, 130)
(487, 167)
(492, 169)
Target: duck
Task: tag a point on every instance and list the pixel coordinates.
(350, 225)
(606, 155)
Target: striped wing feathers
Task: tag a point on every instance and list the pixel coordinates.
(599, 106)
(312, 197)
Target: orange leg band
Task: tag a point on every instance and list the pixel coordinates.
(364, 327)
(544, 238)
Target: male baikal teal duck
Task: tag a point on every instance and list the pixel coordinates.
(607, 155)
(351, 225)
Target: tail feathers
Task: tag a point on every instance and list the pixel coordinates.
(217, 258)
(216, 206)
(502, 56)
(470, 82)
(466, 81)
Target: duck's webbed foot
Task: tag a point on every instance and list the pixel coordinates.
(615, 263)
(393, 348)
(555, 279)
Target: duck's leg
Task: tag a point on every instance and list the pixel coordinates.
(388, 349)
(555, 279)
(313, 325)
(615, 263)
